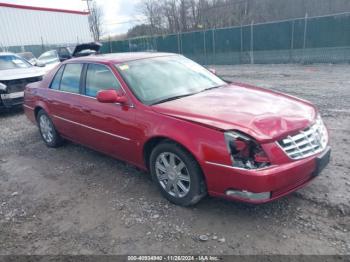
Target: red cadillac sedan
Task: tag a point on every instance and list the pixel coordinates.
(195, 133)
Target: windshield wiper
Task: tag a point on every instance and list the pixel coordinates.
(172, 98)
(210, 88)
(180, 96)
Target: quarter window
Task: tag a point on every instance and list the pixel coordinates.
(57, 79)
(99, 77)
(71, 78)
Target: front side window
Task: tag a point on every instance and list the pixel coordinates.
(99, 77)
(159, 79)
(13, 62)
(71, 78)
(57, 79)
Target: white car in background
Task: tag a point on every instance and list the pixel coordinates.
(29, 57)
(15, 74)
(50, 59)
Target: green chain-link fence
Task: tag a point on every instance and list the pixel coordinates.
(323, 39)
(306, 40)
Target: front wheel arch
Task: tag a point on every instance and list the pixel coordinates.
(200, 187)
(150, 144)
(37, 110)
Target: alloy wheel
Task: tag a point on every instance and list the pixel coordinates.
(173, 174)
(46, 128)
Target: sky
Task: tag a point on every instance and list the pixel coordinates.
(119, 15)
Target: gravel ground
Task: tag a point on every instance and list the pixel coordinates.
(73, 200)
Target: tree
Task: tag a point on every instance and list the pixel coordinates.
(95, 19)
(141, 30)
(176, 16)
(152, 10)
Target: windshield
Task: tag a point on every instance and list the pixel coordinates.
(49, 57)
(13, 62)
(28, 56)
(162, 78)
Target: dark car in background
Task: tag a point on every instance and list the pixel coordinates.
(54, 57)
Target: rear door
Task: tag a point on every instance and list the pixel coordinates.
(65, 101)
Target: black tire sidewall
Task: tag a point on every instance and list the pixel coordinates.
(195, 173)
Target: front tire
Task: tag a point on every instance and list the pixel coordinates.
(177, 174)
(48, 131)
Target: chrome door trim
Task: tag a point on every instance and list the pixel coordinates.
(92, 128)
(29, 107)
(60, 91)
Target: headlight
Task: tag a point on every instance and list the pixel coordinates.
(3, 87)
(245, 152)
(321, 131)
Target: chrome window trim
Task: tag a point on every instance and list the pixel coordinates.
(60, 91)
(84, 95)
(92, 128)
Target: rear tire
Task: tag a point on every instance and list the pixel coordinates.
(177, 174)
(48, 131)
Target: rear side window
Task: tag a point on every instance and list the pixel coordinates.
(57, 79)
(71, 78)
(99, 77)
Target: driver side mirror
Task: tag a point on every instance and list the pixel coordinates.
(111, 96)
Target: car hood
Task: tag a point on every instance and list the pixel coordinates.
(260, 113)
(19, 73)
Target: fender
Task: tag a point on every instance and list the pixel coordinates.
(204, 143)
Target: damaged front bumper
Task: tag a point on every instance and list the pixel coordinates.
(11, 100)
(266, 184)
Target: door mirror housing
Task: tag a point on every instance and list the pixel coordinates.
(111, 96)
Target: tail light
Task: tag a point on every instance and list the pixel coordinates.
(245, 152)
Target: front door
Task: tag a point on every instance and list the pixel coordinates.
(108, 127)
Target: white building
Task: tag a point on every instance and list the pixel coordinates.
(28, 25)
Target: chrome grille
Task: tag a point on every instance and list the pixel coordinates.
(306, 143)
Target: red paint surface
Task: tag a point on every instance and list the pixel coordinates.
(197, 123)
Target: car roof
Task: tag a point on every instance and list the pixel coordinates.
(118, 58)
